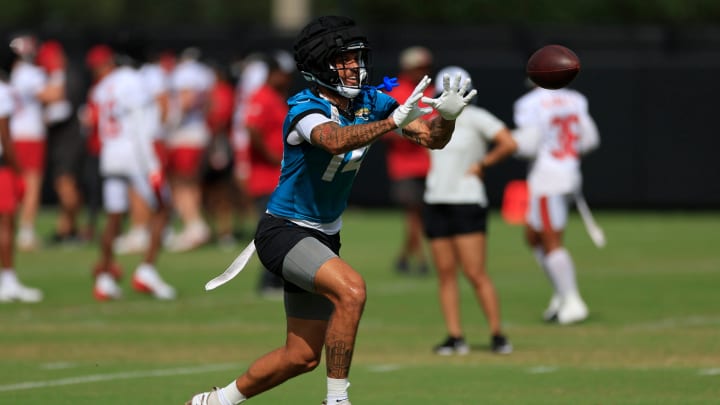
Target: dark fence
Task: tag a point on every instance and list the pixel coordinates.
(652, 91)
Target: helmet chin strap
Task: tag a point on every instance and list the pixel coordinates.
(352, 91)
(345, 91)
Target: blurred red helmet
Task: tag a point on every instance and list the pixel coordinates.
(99, 55)
(50, 56)
(167, 60)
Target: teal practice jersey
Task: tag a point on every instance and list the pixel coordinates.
(315, 185)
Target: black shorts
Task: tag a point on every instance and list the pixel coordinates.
(65, 148)
(445, 220)
(408, 192)
(275, 237)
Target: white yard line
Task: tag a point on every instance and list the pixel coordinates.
(384, 368)
(542, 369)
(117, 376)
(709, 371)
(672, 323)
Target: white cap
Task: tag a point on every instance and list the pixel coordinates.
(285, 60)
(452, 71)
(414, 57)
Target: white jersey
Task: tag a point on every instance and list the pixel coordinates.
(448, 181)
(122, 99)
(156, 82)
(7, 105)
(191, 127)
(252, 78)
(27, 122)
(566, 130)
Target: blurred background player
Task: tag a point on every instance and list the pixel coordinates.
(557, 129)
(456, 215)
(127, 160)
(11, 189)
(408, 164)
(264, 117)
(155, 74)
(190, 84)
(217, 167)
(251, 74)
(65, 143)
(27, 127)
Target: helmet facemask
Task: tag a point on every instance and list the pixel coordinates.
(351, 63)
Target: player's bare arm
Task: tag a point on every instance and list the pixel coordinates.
(336, 139)
(434, 134)
(505, 146)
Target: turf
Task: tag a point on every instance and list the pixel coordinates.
(653, 336)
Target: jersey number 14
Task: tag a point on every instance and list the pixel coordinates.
(352, 162)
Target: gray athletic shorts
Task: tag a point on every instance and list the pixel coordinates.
(295, 254)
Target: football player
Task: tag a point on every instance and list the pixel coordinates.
(326, 136)
(563, 131)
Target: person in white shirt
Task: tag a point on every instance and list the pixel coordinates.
(27, 127)
(555, 129)
(137, 237)
(455, 217)
(11, 189)
(127, 160)
(187, 140)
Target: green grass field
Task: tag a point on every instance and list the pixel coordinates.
(653, 336)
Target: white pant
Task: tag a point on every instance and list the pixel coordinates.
(116, 192)
(548, 211)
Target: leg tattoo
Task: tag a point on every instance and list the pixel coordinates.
(339, 356)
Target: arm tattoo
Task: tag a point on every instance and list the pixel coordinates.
(337, 139)
(339, 356)
(433, 134)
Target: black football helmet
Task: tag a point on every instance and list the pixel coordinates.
(320, 43)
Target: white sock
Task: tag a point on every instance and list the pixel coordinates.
(230, 395)
(561, 269)
(8, 276)
(146, 267)
(539, 254)
(337, 390)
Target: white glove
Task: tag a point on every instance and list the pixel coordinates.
(409, 111)
(453, 99)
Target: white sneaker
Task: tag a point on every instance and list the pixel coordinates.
(204, 398)
(343, 402)
(15, 291)
(193, 236)
(551, 311)
(136, 240)
(147, 280)
(106, 288)
(572, 310)
(26, 240)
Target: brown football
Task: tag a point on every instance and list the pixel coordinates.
(553, 66)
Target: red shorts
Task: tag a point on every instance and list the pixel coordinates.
(161, 153)
(30, 155)
(184, 161)
(9, 198)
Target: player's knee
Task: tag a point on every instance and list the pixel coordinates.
(354, 296)
(303, 361)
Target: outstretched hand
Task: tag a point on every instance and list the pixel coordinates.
(454, 98)
(409, 111)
